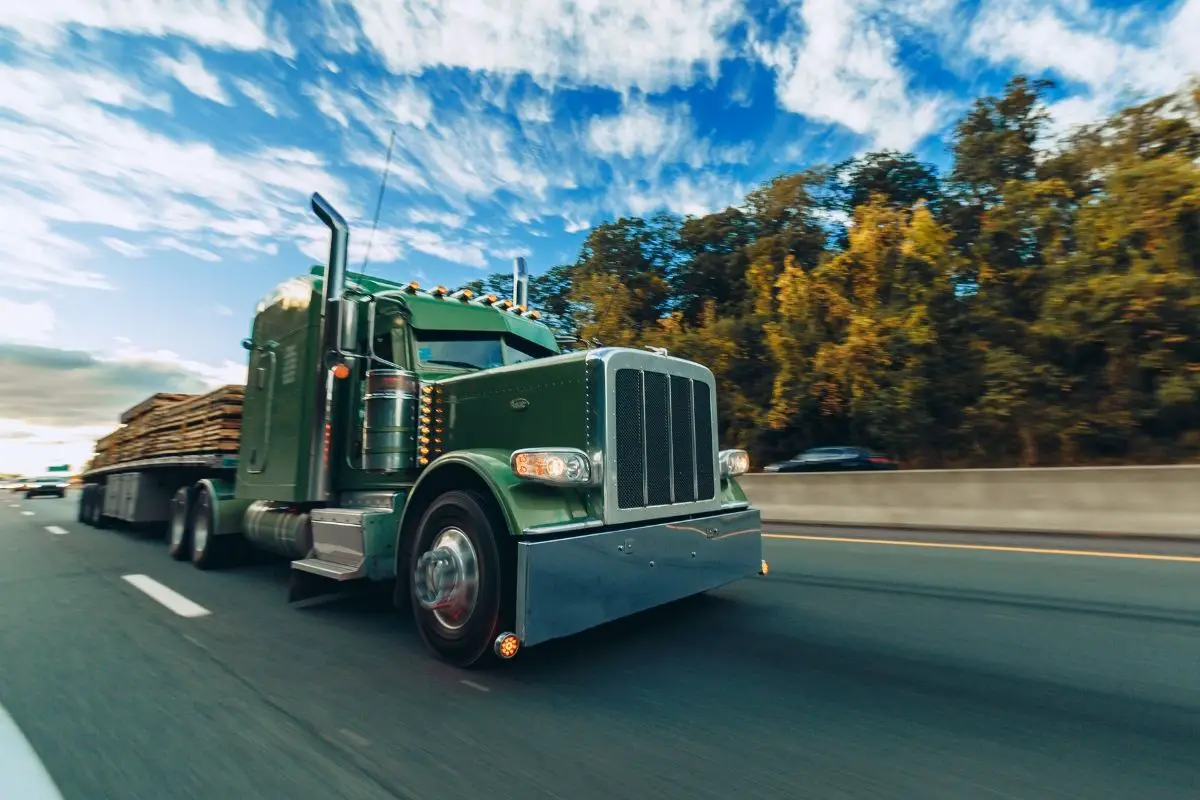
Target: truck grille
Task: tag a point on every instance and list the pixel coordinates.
(664, 439)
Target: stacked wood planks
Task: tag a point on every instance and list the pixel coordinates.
(175, 424)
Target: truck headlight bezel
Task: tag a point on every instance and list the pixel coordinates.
(555, 466)
(734, 463)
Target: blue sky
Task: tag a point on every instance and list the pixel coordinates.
(156, 156)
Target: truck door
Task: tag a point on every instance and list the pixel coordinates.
(256, 423)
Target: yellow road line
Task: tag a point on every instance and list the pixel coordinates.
(1001, 548)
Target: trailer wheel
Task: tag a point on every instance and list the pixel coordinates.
(179, 533)
(208, 549)
(461, 578)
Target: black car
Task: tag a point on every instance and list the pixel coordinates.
(834, 459)
(46, 487)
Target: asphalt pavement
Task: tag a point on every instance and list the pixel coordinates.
(893, 665)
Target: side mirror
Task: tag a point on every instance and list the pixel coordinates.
(350, 339)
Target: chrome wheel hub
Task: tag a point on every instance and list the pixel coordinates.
(446, 578)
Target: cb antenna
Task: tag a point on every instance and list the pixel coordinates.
(379, 201)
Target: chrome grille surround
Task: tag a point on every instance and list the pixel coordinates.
(657, 427)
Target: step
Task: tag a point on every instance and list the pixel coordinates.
(328, 569)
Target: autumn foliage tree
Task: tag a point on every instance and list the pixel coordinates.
(1039, 304)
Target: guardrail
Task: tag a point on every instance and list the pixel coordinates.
(1145, 501)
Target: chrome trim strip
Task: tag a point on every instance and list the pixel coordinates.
(562, 527)
(610, 359)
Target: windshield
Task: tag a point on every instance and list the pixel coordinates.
(472, 351)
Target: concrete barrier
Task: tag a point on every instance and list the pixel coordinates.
(1155, 501)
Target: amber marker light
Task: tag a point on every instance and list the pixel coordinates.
(765, 569)
(507, 645)
(341, 371)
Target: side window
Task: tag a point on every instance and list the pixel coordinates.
(389, 341)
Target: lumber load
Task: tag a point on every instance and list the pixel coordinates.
(175, 425)
(152, 403)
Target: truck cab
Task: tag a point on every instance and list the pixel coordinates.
(511, 493)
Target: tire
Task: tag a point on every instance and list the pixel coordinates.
(81, 510)
(466, 518)
(98, 518)
(208, 550)
(179, 529)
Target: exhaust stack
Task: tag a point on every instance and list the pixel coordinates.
(333, 287)
(520, 283)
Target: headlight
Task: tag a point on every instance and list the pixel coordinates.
(734, 463)
(560, 466)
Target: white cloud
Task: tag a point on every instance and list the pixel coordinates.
(511, 252)
(171, 243)
(387, 247)
(127, 354)
(68, 159)
(189, 70)
(535, 110)
(409, 105)
(425, 216)
(1118, 57)
(434, 244)
(839, 64)
(257, 95)
(29, 323)
(123, 247)
(647, 44)
(67, 398)
(638, 130)
(221, 24)
(223, 311)
(325, 102)
(694, 195)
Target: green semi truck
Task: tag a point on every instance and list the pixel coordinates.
(511, 492)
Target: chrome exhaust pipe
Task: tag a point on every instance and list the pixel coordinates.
(332, 289)
(520, 283)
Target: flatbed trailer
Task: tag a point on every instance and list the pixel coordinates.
(442, 443)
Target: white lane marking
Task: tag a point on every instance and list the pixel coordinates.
(25, 775)
(167, 597)
(475, 685)
(57, 531)
(14, 505)
(27, 513)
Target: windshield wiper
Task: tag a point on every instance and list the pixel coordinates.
(449, 363)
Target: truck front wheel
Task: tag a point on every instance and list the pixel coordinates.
(461, 578)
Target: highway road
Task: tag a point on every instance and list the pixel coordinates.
(856, 669)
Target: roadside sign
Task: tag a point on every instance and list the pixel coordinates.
(60, 468)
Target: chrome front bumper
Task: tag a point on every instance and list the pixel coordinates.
(565, 586)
